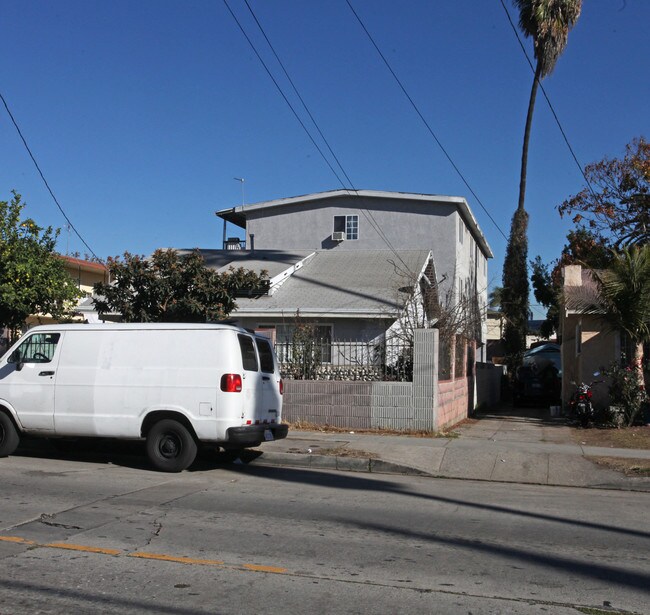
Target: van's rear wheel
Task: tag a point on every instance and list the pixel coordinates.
(9, 437)
(170, 446)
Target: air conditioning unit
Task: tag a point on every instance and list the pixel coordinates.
(340, 236)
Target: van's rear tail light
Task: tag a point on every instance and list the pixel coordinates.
(231, 383)
(281, 386)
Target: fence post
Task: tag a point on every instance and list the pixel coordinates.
(425, 378)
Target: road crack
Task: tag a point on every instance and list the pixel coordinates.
(157, 528)
(47, 520)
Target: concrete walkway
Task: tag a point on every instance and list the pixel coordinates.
(520, 446)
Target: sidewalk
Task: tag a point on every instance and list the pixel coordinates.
(519, 446)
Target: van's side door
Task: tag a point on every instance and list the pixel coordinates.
(27, 380)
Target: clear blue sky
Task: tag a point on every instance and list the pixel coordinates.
(141, 113)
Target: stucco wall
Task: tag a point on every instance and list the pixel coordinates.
(600, 346)
(408, 225)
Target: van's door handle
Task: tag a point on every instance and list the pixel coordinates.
(46, 374)
(266, 377)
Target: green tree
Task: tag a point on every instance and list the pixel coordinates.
(624, 298)
(33, 279)
(169, 287)
(514, 297)
(548, 23)
(617, 203)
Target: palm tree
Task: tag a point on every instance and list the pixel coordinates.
(495, 298)
(548, 23)
(624, 298)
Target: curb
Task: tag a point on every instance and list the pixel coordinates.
(332, 462)
(379, 466)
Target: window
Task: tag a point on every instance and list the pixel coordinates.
(266, 356)
(461, 234)
(38, 348)
(248, 356)
(348, 225)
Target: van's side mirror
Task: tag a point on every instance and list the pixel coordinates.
(17, 359)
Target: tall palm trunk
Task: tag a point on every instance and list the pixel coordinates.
(529, 123)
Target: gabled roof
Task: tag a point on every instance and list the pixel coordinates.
(237, 215)
(363, 284)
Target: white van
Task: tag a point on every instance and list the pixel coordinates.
(174, 385)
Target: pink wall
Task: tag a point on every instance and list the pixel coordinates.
(452, 402)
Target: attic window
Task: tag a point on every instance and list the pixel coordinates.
(348, 225)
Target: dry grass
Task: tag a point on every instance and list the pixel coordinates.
(627, 437)
(339, 451)
(629, 467)
(416, 433)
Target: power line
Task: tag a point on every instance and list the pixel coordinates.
(295, 89)
(548, 100)
(367, 213)
(431, 132)
(277, 85)
(38, 168)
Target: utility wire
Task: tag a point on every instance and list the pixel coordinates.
(277, 85)
(295, 89)
(548, 101)
(367, 213)
(431, 132)
(38, 168)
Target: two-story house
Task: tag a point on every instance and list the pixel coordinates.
(349, 260)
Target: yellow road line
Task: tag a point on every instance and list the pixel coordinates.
(142, 555)
(179, 560)
(16, 539)
(84, 548)
(258, 568)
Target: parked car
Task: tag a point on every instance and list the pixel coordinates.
(539, 379)
(173, 385)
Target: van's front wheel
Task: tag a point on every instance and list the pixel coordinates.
(9, 438)
(170, 446)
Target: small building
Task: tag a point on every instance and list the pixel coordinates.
(588, 345)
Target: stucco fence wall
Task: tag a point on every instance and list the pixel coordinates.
(424, 404)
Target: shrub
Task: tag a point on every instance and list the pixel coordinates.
(624, 390)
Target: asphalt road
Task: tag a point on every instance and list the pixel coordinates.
(87, 535)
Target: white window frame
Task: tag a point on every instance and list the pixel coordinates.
(349, 226)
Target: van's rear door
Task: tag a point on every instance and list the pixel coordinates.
(259, 382)
(271, 398)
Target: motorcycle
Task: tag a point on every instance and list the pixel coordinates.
(581, 405)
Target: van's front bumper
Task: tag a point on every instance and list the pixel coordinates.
(253, 435)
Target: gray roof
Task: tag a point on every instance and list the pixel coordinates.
(362, 283)
(273, 261)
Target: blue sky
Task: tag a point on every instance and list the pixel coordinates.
(141, 113)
